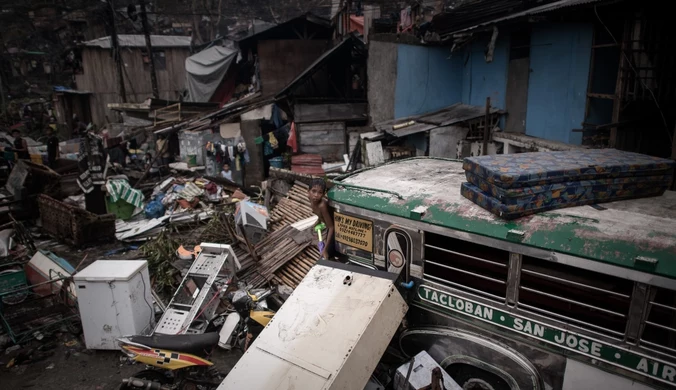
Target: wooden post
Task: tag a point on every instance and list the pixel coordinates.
(619, 85)
(145, 173)
(117, 56)
(149, 48)
(2, 91)
(673, 155)
(673, 145)
(486, 127)
(2, 96)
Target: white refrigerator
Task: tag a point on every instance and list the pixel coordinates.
(115, 299)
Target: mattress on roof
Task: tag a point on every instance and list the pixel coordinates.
(570, 191)
(544, 168)
(545, 203)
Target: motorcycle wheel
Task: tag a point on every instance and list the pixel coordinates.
(149, 375)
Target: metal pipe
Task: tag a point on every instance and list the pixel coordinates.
(408, 285)
(486, 130)
(574, 302)
(467, 256)
(149, 47)
(488, 278)
(554, 278)
(117, 56)
(402, 125)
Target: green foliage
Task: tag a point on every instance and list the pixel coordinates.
(160, 253)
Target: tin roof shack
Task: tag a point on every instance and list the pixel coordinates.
(99, 71)
(69, 102)
(327, 97)
(417, 94)
(280, 53)
(578, 72)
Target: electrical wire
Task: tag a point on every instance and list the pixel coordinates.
(151, 321)
(631, 65)
(185, 326)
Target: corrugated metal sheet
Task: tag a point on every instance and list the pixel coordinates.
(471, 13)
(140, 41)
(445, 117)
(100, 78)
(350, 40)
(489, 12)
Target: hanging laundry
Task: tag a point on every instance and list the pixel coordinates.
(276, 116)
(241, 150)
(238, 164)
(291, 142)
(273, 141)
(267, 149)
(226, 156)
(406, 19)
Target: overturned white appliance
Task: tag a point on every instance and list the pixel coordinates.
(253, 219)
(195, 302)
(329, 334)
(114, 299)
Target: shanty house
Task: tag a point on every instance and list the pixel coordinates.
(566, 73)
(100, 75)
(282, 52)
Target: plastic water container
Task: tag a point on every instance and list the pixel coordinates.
(277, 162)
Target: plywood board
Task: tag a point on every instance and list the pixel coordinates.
(306, 113)
(374, 153)
(444, 141)
(325, 139)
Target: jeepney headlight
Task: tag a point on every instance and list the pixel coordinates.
(396, 258)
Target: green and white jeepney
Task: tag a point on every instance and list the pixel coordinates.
(578, 298)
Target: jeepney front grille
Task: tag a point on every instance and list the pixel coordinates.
(596, 302)
(659, 327)
(474, 269)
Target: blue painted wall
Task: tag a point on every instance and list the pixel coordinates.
(427, 80)
(482, 79)
(557, 89)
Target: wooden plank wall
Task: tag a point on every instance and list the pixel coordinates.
(100, 78)
(281, 61)
(254, 171)
(325, 139)
(304, 113)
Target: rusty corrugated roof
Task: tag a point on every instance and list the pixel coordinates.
(481, 13)
(126, 40)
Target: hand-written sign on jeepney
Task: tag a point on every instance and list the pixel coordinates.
(355, 232)
(616, 356)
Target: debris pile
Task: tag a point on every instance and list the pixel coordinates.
(72, 224)
(203, 249)
(287, 253)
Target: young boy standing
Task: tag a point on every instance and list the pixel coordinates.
(226, 173)
(321, 210)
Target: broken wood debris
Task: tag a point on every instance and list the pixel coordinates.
(286, 255)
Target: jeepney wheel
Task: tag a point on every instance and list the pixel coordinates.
(474, 378)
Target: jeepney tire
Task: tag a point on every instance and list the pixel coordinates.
(473, 378)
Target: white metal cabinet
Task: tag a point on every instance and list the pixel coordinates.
(329, 334)
(115, 299)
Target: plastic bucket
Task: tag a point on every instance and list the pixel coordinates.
(121, 208)
(277, 162)
(192, 160)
